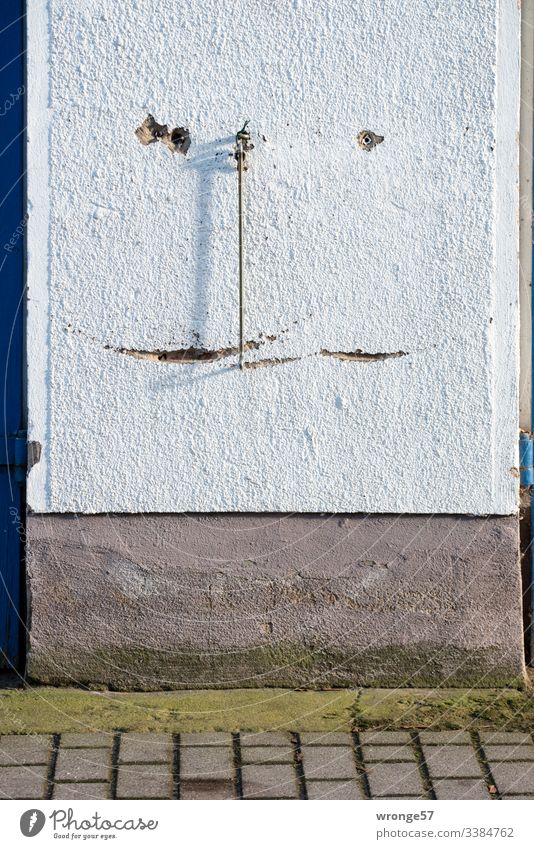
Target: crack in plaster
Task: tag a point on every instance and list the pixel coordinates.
(275, 361)
(193, 355)
(185, 356)
(198, 354)
(359, 356)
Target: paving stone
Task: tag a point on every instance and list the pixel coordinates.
(86, 740)
(83, 768)
(81, 790)
(505, 738)
(266, 754)
(326, 738)
(24, 749)
(210, 789)
(269, 782)
(449, 738)
(328, 762)
(341, 790)
(388, 780)
(384, 738)
(461, 788)
(83, 765)
(22, 782)
(388, 753)
(411, 798)
(144, 781)
(451, 762)
(265, 738)
(145, 748)
(509, 753)
(514, 777)
(209, 763)
(212, 738)
(506, 798)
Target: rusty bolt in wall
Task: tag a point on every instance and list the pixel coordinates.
(367, 139)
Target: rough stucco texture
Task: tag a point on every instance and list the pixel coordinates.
(158, 602)
(347, 250)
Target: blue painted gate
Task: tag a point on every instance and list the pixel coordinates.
(12, 309)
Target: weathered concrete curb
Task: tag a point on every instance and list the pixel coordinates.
(170, 601)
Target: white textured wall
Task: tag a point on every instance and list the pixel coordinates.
(411, 247)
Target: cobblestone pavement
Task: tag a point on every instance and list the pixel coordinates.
(269, 765)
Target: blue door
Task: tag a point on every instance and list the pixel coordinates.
(12, 411)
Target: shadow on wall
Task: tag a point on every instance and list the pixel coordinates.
(209, 161)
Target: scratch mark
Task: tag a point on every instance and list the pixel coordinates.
(198, 354)
(359, 356)
(184, 355)
(275, 361)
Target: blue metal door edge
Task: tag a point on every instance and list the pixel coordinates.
(12, 245)
(526, 459)
(13, 450)
(526, 480)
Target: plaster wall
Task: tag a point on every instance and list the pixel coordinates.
(406, 251)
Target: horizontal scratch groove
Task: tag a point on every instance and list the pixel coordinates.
(359, 356)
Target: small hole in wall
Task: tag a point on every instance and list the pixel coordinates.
(178, 140)
(367, 140)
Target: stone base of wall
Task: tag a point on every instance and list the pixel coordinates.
(156, 602)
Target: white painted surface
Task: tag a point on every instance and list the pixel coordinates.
(411, 247)
(526, 223)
